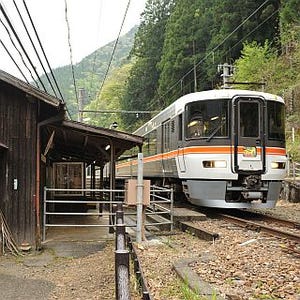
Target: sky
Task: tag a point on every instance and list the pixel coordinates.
(92, 23)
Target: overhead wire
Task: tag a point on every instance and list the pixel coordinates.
(21, 45)
(71, 55)
(43, 51)
(253, 30)
(114, 49)
(19, 52)
(14, 61)
(34, 48)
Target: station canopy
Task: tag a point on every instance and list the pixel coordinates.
(74, 141)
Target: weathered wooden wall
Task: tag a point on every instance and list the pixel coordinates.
(18, 121)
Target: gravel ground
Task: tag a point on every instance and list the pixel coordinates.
(241, 264)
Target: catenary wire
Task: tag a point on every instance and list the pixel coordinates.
(34, 48)
(71, 55)
(21, 45)
(215, 48)
(114, 49)
(19, 52)
(253, 30)
(11, 57)
(42, 48)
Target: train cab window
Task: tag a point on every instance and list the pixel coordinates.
(207, 119)
(276, 116)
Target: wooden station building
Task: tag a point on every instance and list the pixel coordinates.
(35, 138)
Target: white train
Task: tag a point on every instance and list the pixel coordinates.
(222, 148)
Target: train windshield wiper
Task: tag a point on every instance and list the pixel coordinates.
(215, 130)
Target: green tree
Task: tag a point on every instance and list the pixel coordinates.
(254, 64)
(109, 99)
(186, 40)
(201, 34)
(143, 80)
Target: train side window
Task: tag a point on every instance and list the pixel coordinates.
(146, 145)
(166, 136)
(153, 142)
(180, 127)
(172, 126)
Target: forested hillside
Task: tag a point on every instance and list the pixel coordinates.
(192, 38)
(90, 71)
(178, 47)
(259, 38)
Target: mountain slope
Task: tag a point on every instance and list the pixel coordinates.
(90, 71)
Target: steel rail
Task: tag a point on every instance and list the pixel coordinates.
(288, 223)
(260, 227)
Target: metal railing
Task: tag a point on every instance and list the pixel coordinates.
(160, 211)
(161, 204)
(52, 199)
(294, 170)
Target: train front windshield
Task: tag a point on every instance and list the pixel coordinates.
(207, 119)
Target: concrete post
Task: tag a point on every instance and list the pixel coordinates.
(139, 200)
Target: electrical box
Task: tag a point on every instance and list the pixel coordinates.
(131, 192)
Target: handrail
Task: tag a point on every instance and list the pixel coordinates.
(294, 170)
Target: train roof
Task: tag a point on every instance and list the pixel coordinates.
(178, 106)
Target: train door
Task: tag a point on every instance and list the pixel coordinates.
(166, 142)
(248, 135)
(180, 150)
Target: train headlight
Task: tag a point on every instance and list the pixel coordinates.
(277, 165)
(214, 164)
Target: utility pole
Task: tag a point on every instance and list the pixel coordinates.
(81, 102)
(195, 66)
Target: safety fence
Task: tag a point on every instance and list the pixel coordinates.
(160, 208)
(61, 203)
(294, 170)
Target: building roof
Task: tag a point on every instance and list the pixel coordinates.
(73, 141)
(29, 89)
(69, 140)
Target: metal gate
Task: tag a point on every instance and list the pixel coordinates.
(161, 206)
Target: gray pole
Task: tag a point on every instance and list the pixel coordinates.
(195, 66)
(139, 200)
(81, 101)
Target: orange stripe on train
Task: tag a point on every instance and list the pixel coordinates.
(203, 150)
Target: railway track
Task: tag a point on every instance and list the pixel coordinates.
(268, 218)
(258, 226)
(254, 221)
